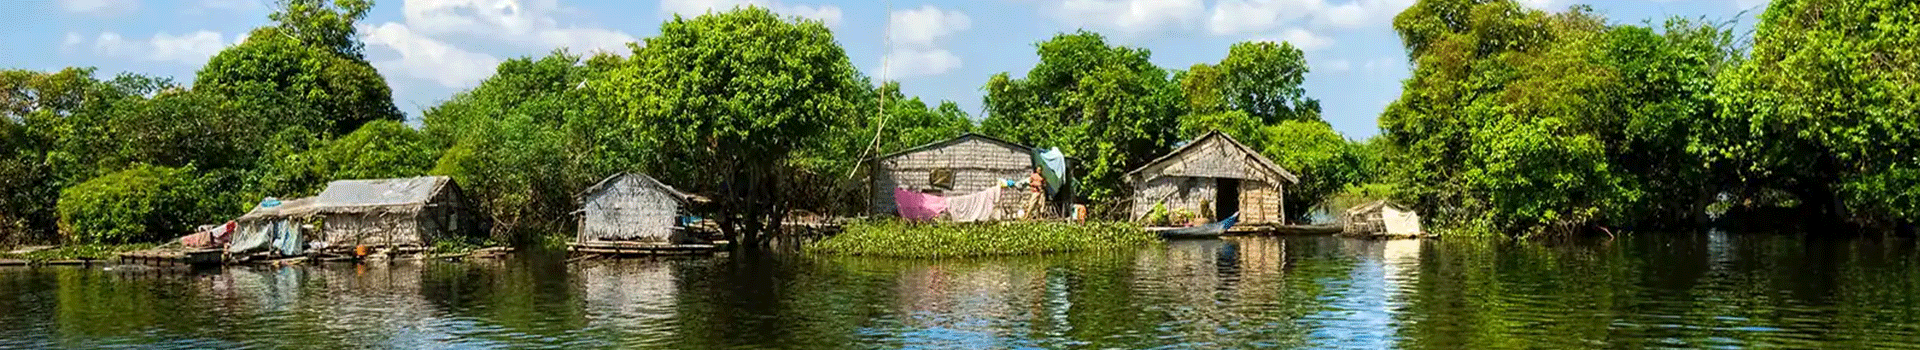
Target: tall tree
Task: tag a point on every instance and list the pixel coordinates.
(1106, 105)
(728, 97)
(310, 59)
(1263, 79)
(1823, 107)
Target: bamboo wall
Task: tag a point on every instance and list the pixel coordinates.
(1188, 177)
(630, 209)
(977, 164)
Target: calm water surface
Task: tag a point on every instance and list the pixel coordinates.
(1692, 291)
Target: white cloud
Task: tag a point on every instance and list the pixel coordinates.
(1538, 4)
(921, 26)
(102, 8)
(429, 59)
(909, 63)
(1335, 66)
(828, 14)
(1130, 17)
(915, 51)
(190, 49)
(1384, 65)
(228, 5)
(73, 40)
(1303, 39)
(525, 23)
(1253, 16)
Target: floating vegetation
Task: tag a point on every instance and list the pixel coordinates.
(79, 252)
(896, 238)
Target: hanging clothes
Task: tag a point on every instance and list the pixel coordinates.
(977, 206)
(918, 206)
(1055, 165)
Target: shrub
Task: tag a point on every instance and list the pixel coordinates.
(897, 238)
(142, 204)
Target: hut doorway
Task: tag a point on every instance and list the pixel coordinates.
(1226, 198)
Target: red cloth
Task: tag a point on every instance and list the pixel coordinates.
(214, 238)
(918, 206)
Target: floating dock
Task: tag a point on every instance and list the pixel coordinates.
(640, 248)
(174, 257)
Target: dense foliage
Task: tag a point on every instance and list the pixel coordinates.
(136, 205)
(897, 238)
(1514, 120)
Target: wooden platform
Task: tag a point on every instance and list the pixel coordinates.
(12, 262)
(638, 248)
(171, 257)
(1284, 230)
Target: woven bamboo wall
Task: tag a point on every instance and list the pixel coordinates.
(1260, 203)
(629, 210)
(977, 164)
(1186, 179)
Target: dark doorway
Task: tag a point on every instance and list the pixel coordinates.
(1226, 198)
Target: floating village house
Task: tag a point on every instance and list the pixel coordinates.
(1218, 172)
(635, 208)
(967, 165)
(1381, 218)
(395, 214)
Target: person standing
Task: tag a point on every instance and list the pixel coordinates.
(1037, 199)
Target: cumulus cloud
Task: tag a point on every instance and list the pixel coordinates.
(1253, 16)
(916, 33)
(1303, 39)
(1130, 16)
(102, 8)
(910, 62)
(828, 14)
(190, 49)
(524, 23)
(429, 59)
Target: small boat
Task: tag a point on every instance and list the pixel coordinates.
(1210, 230)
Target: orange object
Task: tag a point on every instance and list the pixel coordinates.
(360, 250)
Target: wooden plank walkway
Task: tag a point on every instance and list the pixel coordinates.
(638, 248)
(170, 257)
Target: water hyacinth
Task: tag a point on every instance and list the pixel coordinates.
(896, 238)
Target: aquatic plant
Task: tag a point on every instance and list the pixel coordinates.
(898, 238)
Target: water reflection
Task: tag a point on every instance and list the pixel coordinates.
(1711, 290)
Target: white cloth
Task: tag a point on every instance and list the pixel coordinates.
(977, 206)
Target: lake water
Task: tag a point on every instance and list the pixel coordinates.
(1649, 291)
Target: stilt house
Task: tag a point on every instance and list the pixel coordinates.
(964, 165)
(629, 207)
(1219, 173)
(386, 213)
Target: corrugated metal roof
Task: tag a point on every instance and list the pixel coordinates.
(380, 192)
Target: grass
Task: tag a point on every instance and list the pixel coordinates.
(896, 238)
(79, 252)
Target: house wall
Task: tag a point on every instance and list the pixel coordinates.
(630, 210)
(977, 164)
(1259, 201)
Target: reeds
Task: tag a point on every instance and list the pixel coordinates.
(897, 238)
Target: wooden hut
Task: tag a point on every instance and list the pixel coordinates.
(1218, 172)
(964, 165)
(402, 214)
(635, 208)
(1381, 218)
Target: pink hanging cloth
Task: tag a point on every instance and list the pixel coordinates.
(918, 206)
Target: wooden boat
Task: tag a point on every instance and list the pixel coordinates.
(1211, 230)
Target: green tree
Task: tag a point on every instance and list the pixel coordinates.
(1263, 79)
(1106, 105)
(310, 59)
(1823, 108)
(728, 97)
(140, 204)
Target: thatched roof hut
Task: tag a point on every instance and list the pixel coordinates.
(1216, 174)
(404, 212)
(629, 207)
(963, 165)
(1381, 218)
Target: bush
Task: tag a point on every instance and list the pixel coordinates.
(897, 238)
(142, 204)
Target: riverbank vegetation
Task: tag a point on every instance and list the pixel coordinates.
(1515, 120)
(897, 238)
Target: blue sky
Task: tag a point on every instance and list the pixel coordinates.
(940, 49)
